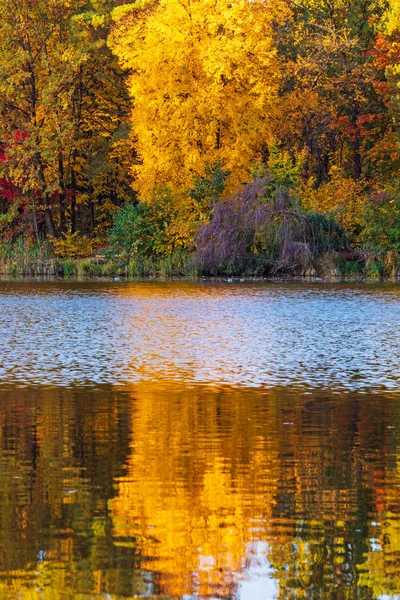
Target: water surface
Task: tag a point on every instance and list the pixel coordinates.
(334, 336)
(198, 441)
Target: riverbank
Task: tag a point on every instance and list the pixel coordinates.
(92, 271)
(332, 266)
(23, 259)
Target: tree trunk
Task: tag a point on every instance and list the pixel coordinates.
(61, 180)
(92, 215)
(45, 196)
(34, 218)
(49, 220)
(357, 158)
(322, 167)
(73, 201)
(356, 145)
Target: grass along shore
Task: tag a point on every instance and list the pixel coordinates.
(24, 259)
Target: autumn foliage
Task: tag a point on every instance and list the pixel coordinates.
(104, 104)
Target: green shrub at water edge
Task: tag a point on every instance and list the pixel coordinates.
(175, 264)
(349, 269)
(70, 269)
(131, 232)
(89, 268)
(374, 269)
(113, 269)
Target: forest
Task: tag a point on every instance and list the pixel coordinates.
(200, 137)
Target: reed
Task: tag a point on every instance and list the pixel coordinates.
(28, 259)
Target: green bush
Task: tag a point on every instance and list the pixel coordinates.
(349, 269)
(206, 190)
(132, 232)
(326, 234)
(382, 220)
(167, 224)
(89, 268)
(374, 270)
(70, 269)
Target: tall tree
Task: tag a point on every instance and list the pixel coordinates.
(61, 96)
(330, 101)
(204, 80)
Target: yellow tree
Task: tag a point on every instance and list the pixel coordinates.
(330, 106)
(388, 52)
(204, 80)
(62, 110)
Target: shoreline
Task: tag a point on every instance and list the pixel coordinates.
(6, 277)
(357, 266)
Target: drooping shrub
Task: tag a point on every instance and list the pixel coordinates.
(264, 223)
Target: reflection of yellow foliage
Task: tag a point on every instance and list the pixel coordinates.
(188, 487)
(381, 570)
(189, 508)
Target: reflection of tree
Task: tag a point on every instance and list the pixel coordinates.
(211, 471)
(61, 450)
(197, 458)
(172, 490)
(381, 570)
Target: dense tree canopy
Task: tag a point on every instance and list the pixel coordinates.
(204, 77)
(62, 103)
(105, 103)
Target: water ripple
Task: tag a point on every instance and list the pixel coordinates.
(335, 336)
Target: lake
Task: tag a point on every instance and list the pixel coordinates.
(199, 440)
